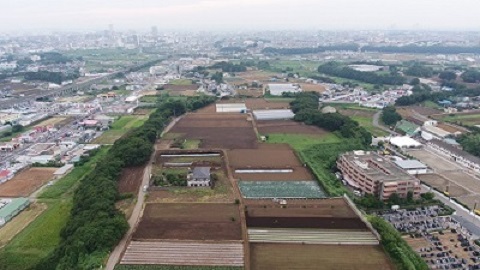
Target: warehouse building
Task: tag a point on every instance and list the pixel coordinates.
(231, 107)
(405, 142)
(9, 208)
(370, 173)
(277, 89)
(273, 114)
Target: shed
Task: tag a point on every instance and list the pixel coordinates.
(407, 128)
(231, 107)
(12, 209)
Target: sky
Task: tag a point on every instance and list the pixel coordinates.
(25, 15)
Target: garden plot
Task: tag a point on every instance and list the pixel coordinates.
(281, 189)
(180, 221)
(217, 131)
(26, 182)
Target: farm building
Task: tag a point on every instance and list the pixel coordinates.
(200, 177)
(412, 166)
(231, 107)
(407, 128)
(405, 142)
(276, 89)
(273, 114)
(11, 208)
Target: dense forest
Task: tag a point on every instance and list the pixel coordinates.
(95, 225)
(305, 107)
(339, 70)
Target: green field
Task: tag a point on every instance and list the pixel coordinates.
(66, 183)
(463, 119)
(174, 267)
(181, 82)
(191, 144)
(120, 127)
(38, 239)
(367, 123)
(149, 99)
(281, 189)
(301, 141)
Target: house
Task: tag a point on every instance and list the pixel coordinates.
(199, 177)
(5, 175)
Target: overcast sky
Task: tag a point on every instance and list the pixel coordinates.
(19, 15)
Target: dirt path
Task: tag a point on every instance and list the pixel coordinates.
(116, 254)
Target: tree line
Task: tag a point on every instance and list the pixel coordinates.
(229, 67)
(338, 70)
(305, 107)
(421, 96)
(95, 225)
(311, 50)
(49, 76)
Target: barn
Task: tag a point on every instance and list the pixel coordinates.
(273, 114)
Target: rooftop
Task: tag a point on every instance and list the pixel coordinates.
(11, 207)
(410, 164)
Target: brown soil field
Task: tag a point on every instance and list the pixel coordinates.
(441, 183)
(130, 179)
(252, 92)
(287, 126)
(308, 87)
(262, 104)
(26, 182)
(470, 200)
(450, 128)
(190, 222)
(262, 158)
(353, 112)
(298, 174)
(208, 109)
(318, 257)
(255, 75)
(220, 131)
(172, 87)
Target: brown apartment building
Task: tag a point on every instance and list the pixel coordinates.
(371, 173)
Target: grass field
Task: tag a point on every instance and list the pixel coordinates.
(120, 127)
(367, 123)
(12, 228)
(149, 99)
(181, 82)
(464, 119)
(301, 142)
(37, 240)
(191, 144)
(65, 184)
(173, 267)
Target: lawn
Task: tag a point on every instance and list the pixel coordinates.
(37, 240)
(120, 127)
(367, 123)
(301, 141)
(65, 184)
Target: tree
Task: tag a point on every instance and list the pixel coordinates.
(471, 76)
(419, 70)
(415, 81)
(447, 75)
(218, 77)
(390, 116)
(17, 128)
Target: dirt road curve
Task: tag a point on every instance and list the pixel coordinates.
(116, 254)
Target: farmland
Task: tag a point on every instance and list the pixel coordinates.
(37, 240)
(120, 127)
(306, 257)
(190, 222)
(54, 121)
(173, 267)
(287, 127)
(217, 131)
(262, 104)
(130, 179)
(463, 119)
(302, 141)
(26, 182)
(16, 225)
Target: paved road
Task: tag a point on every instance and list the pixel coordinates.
(116, 254)
(376, 123)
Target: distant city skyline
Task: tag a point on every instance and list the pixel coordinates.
(31, 15)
